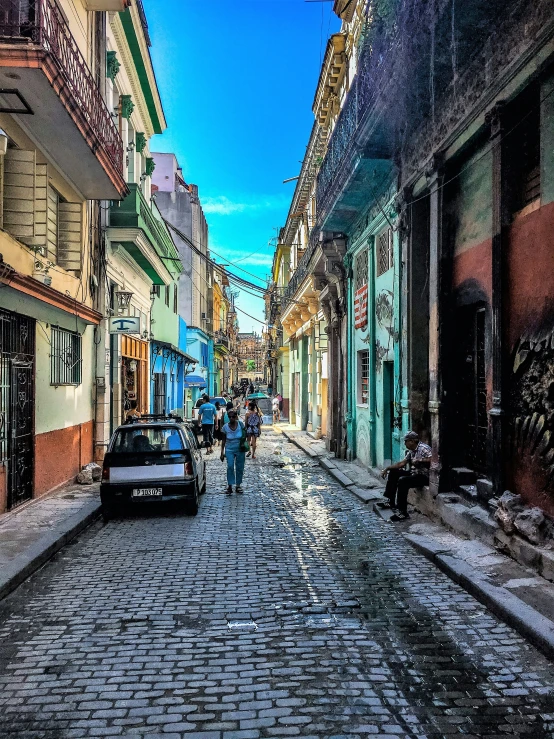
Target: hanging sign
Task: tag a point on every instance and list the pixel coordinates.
(125, 325)
(360, 307)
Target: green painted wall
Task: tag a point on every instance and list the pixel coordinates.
(547, 141)
(165, 325)
(381, 338)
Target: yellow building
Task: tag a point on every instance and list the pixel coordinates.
(60, 153)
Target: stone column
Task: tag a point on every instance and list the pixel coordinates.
(499, 220)
(435, 179)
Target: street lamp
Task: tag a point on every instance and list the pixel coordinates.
(123, 298)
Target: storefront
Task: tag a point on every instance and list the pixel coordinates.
(134, 374)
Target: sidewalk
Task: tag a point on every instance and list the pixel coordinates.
(30, 535)
(515, 593)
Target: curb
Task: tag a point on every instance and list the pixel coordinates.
(531, 624)
(306, 449)
(42, 550)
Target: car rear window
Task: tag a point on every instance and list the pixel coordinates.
(134, 440)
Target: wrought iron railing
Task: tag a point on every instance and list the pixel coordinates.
(356, 109)
(41, 22)
(222, 338)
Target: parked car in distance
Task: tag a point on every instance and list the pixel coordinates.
(194, 421)
(152, 459)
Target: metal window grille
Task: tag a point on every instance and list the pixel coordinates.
(384, 251)
(363, 365)
(65, 357)
(361, 269)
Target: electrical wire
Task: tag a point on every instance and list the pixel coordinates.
(208, 259)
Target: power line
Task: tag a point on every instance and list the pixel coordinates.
(236, 278)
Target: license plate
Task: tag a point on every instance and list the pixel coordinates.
(146, 492)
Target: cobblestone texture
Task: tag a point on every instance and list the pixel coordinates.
(290, 611)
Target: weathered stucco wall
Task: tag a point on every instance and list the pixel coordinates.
(530, 334)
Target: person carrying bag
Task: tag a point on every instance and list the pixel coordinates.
(233, 447)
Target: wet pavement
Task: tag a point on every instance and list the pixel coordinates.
(292, 610)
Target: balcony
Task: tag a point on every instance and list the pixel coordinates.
(359, 147)
(48, 88)
(134, 226)
(221, 341)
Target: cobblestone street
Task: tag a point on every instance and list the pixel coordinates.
(290, 611)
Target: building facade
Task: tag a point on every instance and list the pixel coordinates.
(138, 275)
(61, 153)
(250, 355)
(180, 206)
(430, 187)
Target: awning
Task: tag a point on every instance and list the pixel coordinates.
(165, 349)
(195, 381)
(173, 359)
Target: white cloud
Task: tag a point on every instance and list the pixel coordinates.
(224, 206)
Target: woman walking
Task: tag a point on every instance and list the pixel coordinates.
(231, 449)
(253, 422)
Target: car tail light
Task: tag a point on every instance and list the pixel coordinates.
(105, 472)
(189, 472)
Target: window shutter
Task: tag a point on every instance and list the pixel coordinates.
(19, 194)
(70, 225)
(1, 192)
(53, 224)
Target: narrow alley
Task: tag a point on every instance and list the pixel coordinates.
(292, 610)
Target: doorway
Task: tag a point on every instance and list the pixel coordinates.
(471, 389)
(388, 409)
(160, 392)
(17, 394)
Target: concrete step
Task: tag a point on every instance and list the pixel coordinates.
(462, 476)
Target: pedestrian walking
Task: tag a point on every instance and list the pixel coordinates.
(206, 416)
(400, 479)
(233, 447)
(253, 423)
(276, 409)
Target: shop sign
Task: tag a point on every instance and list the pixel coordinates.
(125, 325)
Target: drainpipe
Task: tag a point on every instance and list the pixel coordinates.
(372, 357)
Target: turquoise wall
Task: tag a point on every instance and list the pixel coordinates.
(375, 436)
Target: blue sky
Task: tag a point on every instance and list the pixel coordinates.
(237, 80)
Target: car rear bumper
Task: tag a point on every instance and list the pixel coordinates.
(118, 494)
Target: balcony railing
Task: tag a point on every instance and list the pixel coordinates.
(134, 212)
(221, 339)
(360, 100)
(40, 23)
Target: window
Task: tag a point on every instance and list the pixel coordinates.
(151, 439)
(65, 357)
(52, 230)
(522, 152)
(167, 294)
(384, 251)
(361, 269)
(175, 299)
(363, 377)
(156, 291)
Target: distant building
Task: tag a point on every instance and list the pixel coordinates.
(250, 348)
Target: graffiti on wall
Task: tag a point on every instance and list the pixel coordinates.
(532, 400)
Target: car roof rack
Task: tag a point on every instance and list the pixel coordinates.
(149, 417)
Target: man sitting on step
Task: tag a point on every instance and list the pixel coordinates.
(400, 479)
